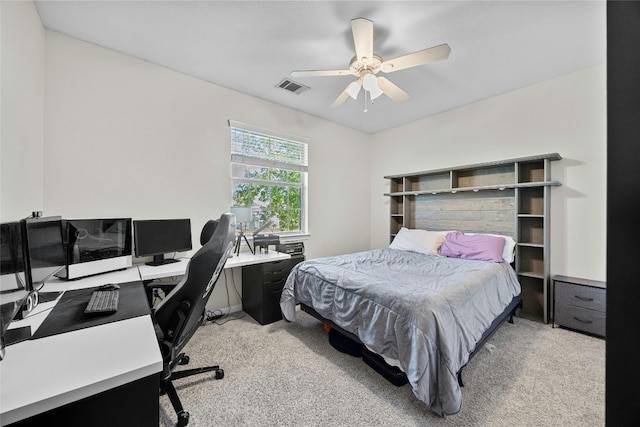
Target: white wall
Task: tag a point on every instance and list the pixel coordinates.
(22, 88)
(124, 137)
(566, 115)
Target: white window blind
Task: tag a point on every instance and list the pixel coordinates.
(262, 149)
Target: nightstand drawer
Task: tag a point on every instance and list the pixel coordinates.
(582, 319)
(581, 296)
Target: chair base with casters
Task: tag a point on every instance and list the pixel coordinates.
(171, 361)
(182, 311)
(167, 387)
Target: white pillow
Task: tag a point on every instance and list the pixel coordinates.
(508, 253)
(416, 240)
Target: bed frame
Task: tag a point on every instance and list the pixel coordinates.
(506, 315)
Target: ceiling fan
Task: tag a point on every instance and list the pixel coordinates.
(366, 64)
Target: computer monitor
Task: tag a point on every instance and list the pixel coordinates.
(44, 248)
(96, 245)
(157, 237)
(14, 287)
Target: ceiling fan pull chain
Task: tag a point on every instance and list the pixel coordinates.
(365, 100)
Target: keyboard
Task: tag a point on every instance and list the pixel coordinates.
(102, 302)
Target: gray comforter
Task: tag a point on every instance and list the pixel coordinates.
(422, 313)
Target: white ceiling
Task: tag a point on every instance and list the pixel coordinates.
(250, 46)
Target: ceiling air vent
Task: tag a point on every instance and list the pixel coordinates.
(294, 87)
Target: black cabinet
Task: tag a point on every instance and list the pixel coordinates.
(262, 286)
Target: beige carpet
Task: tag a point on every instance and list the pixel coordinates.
(287, 374)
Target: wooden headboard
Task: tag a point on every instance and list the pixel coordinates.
(473, 212)
(509, 197)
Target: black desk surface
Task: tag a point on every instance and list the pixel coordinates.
(68, 314)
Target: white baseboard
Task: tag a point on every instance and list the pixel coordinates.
(235, 308)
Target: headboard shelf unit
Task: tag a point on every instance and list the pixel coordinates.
(483, 176)
(510, 197)
(397, 205)
(474, 189)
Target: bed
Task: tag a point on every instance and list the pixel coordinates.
(422, 312)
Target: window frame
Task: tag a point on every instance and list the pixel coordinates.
(236, 158)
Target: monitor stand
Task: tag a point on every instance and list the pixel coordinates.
(161, 260)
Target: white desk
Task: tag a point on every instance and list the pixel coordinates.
(148, 272)
(259, 258)
(46, 373)
(43, 374)
(151, 272)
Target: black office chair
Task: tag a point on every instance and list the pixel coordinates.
(180, 314)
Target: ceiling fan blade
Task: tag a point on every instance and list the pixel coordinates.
(362, 30)
(391, 90)
(319, 73)
(420, 57)
(352, 91)
(340, 99)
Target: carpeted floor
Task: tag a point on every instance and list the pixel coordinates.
(287, 374)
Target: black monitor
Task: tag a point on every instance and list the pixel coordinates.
(14, 287)
(44, 248)
(156, 237)
(96, 245)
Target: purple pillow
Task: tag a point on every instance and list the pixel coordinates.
(481, 247)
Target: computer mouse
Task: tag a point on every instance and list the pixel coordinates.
(109, 287)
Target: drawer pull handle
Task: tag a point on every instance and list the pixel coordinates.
(586, 322)
(583, 298)
(277, 271)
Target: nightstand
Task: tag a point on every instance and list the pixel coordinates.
(580, 304)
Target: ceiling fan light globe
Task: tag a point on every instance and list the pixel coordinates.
(353, 90)
(370, 82)
(375, 92)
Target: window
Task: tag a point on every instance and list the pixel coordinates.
(269, 174)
